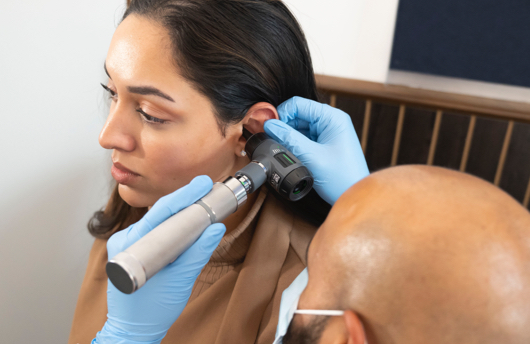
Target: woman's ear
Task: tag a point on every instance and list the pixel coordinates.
(257, 115)
(253, 121)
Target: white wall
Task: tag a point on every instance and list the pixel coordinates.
(348, 38)
(53, 173)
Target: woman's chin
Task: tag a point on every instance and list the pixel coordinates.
(134, 198)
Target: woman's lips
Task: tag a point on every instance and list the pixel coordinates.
(122, 174)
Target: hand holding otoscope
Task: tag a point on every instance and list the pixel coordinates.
(192, 231)
(270, 161)
(325, 141)
(145, 316)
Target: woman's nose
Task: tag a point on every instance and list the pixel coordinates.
(118, 133)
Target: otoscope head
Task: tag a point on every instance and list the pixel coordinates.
(253, 141)
(284, 172)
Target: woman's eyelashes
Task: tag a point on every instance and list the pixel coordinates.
(146, 118)
(113, 95)
(150, 119)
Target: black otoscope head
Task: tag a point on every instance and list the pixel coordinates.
(246, 134)
(284, 172)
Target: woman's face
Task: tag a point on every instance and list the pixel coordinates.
(159, 126)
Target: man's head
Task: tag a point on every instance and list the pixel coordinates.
(420, 254)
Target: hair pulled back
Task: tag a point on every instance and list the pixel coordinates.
(235, 52)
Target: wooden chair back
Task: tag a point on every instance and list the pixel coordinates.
(400, 125)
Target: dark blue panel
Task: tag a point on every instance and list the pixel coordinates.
(487, 40)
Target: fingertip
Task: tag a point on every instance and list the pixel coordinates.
(287, 109)
(202, 184)
(203, 180)
(277, 129)
(218, 230)
(212, 237)
(120, 240)
(272, 124)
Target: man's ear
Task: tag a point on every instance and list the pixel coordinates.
(354, 326)
(347, 329)
(257, 115)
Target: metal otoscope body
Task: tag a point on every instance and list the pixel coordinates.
(270, 161)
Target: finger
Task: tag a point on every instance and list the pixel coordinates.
(291, 139)
(171, 204)
(299, 124)
(117, 243)
(303, 109)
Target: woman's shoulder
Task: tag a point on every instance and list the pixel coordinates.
(286, 224)
(97, 260)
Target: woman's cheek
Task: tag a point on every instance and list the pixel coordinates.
(170, 163)
(179, 165)
(174, 158)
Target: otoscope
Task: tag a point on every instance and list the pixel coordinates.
(270, 161)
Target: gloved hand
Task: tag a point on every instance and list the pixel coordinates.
(324, 140)
(146, 315)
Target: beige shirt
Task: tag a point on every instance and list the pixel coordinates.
(236, 298)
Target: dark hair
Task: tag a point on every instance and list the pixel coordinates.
(235, 52)
(308, 334)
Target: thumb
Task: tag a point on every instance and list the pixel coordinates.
(296, 142)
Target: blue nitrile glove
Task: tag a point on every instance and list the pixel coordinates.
(146, 315)
(324, 140)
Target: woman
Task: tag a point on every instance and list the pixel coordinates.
(185, 76)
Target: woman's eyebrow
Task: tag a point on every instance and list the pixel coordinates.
(148, 90)
(143, 90)
(106, 71)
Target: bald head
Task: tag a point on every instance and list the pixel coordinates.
(425, 255)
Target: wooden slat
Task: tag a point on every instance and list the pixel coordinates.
(504, 152)
(434, 139)
(397, 138)
(437, 100)
(467, 146)
(527, 196)
(333, 100)
(366, 124)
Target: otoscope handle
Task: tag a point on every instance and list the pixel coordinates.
(130, 269)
